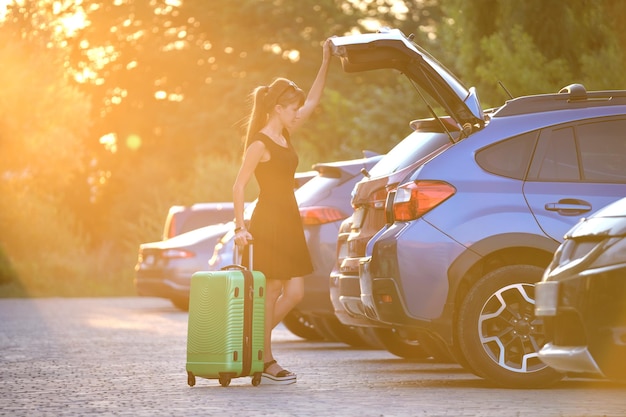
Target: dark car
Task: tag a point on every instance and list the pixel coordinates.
(368, 201)
(472, 230)
(324, 202)
(582, 298)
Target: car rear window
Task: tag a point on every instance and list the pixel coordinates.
(412, 148)
(316, 186)
(202, 218)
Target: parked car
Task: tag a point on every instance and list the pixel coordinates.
(164, 268)
(181, 218)
(473, 229)
(368, 201)
(324, 203)
(582, 298)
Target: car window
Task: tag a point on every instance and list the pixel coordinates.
(414, 147)
(316, 187)
(556, 158)
(509, 158)
(202, 218)
(589, 152)
(603, 150)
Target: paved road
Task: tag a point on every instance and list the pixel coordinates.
(126, 357)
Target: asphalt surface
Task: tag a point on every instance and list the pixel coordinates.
(126, 357)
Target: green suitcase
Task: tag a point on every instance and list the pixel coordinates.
(226, 325)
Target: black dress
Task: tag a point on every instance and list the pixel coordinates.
(280, 249)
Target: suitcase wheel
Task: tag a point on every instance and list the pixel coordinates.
(224, 381)
(191, 379)
(256, 379)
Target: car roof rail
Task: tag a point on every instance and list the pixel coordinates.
(569, 97)
(575, 91)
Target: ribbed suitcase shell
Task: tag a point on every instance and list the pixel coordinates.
(225, 333)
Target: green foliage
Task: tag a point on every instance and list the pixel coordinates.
(603, 68)
(41, 140)
(7, 272)
(502, 63)
(534, 46)
(43, 122)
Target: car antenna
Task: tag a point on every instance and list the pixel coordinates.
(505, 89)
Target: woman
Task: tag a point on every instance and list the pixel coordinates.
(280, 249)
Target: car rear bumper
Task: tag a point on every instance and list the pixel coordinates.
(569, 359)
(380, 299)
(345, 296)
(149, 285)
(405, 280)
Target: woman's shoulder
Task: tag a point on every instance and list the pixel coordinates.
(259, 137)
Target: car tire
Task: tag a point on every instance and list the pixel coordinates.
(499, 333)
(400, 346)
(335, 331)
(436, 349)
(370, 338)
(299, 325)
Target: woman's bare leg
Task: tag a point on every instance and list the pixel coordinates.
(280, 298)
(273, 289)
(292, 293)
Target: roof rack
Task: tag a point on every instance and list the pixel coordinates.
(569, 97)
(575, 91)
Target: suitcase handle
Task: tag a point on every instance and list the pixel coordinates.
(239, 267)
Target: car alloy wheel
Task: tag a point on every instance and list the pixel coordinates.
(499, 333)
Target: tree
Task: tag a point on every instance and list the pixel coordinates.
(534, 46)
(43, 122)
(148, 100)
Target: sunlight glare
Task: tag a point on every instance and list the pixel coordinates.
(135, 322)
(4, 4)
(133, 142)
(110, 142)
(71, 24)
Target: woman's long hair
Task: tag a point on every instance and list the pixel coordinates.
(281, 91)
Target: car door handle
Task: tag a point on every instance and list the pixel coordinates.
(569, 207)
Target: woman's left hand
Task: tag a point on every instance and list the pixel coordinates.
(242, 237)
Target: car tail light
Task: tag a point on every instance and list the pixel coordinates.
(177, 253)
(312, 216)
(171, 232)
(415, 199)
